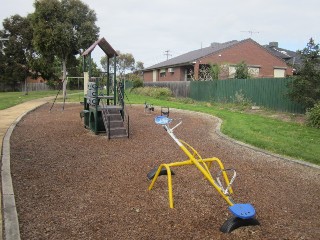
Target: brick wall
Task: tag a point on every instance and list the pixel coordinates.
(252, 54)
(178, 74)
(147, 76)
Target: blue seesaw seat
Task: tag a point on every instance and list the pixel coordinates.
(162, 120)
(243, 210)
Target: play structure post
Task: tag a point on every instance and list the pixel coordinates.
(85, 76)
(108, 78)
(96, 106)
(115, 81)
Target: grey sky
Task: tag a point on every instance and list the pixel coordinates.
(147, 28)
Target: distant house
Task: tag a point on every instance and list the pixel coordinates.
(292, 58)
(36, 80)
(262, 63)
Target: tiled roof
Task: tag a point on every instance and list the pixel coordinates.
(289, 56)
(194, 55)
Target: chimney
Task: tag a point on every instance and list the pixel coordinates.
(273, 44)
(214, 44)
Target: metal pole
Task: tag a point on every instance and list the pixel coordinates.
(115, 81)
(108, 78)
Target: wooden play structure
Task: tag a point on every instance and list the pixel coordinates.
(104, 107)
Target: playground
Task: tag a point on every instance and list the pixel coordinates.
(72, 184)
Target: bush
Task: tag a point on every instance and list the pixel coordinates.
(136, 83)
(155, 92)
(241, 99)
(313, 116)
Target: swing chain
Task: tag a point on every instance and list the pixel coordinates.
(226, 190)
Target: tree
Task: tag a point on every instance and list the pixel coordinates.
(305, 88)
(17, 52)
(125, 62)
(242, 71)
(62, 28)
(139, 67)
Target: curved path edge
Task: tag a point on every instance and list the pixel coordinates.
(9, 211)
(217, 130)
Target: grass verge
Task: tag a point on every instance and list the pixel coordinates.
(9, 99)
(285, 138)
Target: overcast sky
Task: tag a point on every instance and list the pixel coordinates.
(148, 28)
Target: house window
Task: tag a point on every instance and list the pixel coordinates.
(171, 70)
(254, 71)
(162, 73)
(232, 71)
(279, 73)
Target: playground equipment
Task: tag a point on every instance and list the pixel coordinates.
(165, 111)
(104, 107)
(148, 108)
(242, 214)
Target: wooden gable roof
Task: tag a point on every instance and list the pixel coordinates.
(105, 47)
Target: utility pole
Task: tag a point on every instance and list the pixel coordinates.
(250, 32)
(167, 54)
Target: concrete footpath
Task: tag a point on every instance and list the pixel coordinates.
(8, 119)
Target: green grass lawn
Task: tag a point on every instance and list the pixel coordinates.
(9, 99)
(285, 138)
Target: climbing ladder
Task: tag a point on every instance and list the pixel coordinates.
(113, 122)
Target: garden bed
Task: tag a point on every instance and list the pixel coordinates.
(72, 184)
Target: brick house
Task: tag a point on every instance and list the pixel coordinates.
(262, 63)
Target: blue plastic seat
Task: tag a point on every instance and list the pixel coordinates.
(162, 120)
(243, 210)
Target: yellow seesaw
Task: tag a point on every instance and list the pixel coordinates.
(243, 214)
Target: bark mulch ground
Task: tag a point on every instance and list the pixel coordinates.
(72, 184)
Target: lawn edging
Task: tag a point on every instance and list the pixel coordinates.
(304, 163)
(10, 215)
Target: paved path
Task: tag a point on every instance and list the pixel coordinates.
(8, 118)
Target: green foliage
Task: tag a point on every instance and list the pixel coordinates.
(214, 71)
(305, 88)
(62, 29)
(313, 116)
(241, 99)
(95, 70)
(137, 83)
(242, 71)
(124, 62)
(155, 92)
(16, 54)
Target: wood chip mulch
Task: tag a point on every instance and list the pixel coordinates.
(72, 184)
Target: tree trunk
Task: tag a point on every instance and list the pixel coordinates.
(64, 79)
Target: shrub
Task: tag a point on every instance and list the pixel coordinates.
(136, 83)
(155, 92)
(241, 99)
(313, 116)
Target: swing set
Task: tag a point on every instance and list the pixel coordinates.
(243, 214)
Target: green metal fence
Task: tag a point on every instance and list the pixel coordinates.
(270, 93)
(264, 92)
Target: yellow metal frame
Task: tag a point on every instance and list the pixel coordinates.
(202, 164)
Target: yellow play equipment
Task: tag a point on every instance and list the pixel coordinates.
(243, 214)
